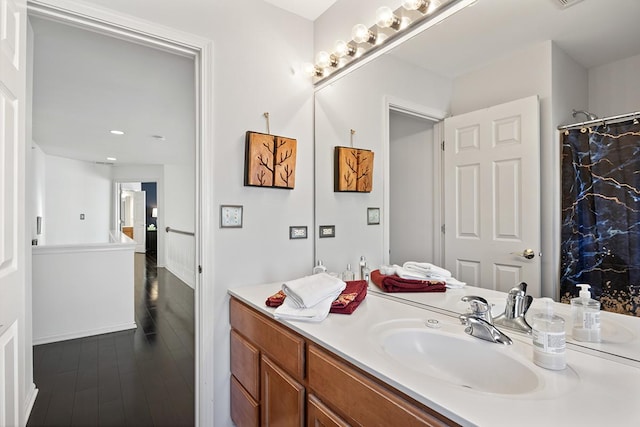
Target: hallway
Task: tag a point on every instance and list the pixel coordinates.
(141, 377)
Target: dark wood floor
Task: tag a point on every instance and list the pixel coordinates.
(142, 377)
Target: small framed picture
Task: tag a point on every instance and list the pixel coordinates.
(373, 216)
(327, 231)
(298, 232)
(230, 216)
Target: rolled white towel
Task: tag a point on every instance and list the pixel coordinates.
(289, 311)
(308, 291)
(428, 269)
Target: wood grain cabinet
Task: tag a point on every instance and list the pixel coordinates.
(279, 378)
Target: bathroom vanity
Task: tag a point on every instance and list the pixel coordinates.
(395, 363)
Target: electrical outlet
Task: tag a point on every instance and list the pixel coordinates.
(82, 217)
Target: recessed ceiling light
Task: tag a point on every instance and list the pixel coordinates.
(117, 132)
(111, 159)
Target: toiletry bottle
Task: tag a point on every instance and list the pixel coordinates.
(348, 275)
(549, 339)
(585, 312)
(363, 267)
(320, 268)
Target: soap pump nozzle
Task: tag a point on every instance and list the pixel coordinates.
(584, 290)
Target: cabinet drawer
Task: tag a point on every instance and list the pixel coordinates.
(280, 344)
(361, 399)
(318, 415)
(245, 363)
(245, 411)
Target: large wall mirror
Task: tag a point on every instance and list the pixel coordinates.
(490, 53)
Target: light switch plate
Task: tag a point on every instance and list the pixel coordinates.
(230, 216)
(298, 232)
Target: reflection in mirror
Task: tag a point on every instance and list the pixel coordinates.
(488, 54)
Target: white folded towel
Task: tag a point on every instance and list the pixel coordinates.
(452, 283)
(428, 269)
(289, 311)
(308, 291)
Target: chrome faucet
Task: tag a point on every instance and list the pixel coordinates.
(479, 323)
(517, 305)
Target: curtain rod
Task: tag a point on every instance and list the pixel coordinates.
(610, 119)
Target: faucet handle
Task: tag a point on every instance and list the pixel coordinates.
(479, 306)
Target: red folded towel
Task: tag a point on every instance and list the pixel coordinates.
(395, 283)
(346, 303)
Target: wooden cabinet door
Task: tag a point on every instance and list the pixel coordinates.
(282, 397)
(319, 415)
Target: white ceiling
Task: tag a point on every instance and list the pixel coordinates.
(309, 9)
(86, 84)
(81, 91)
(592, 32)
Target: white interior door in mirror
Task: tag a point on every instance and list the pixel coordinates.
(492, 195)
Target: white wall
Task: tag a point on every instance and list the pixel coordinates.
(179, 192)
(614, 88)
(75, 187)
(411, 165)
(37, 192)
(357, 101)
(258, 50)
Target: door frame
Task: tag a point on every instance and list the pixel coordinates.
(399, 105)
(126, 27)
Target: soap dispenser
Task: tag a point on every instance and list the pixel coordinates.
(585, 312)
(549, 341)
(364, 270)
(319, 268)
(348, 275)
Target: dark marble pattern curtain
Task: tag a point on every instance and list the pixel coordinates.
(601, 215)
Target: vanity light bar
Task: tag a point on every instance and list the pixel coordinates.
(413, 17)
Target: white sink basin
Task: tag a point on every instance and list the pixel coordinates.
(476, 365)
(448, 355)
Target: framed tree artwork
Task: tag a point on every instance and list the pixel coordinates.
(270, 161)
(353, 170)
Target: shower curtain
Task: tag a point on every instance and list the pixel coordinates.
(601, 215)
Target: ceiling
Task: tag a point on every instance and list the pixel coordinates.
(86, 84)
(309, 9)
(81, 91)
(592, 32)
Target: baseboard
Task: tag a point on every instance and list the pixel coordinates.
(30, 401)
(82, 334)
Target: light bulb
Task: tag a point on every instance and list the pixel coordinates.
(311, 70)
(360, 34)
(421, 5)
(343, 48)
(386, 19)
(323, 59)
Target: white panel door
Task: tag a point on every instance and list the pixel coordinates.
(140, 220)
(492, 195)
(12, 209)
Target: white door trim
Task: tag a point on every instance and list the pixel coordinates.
(119, 25)
(392, 103)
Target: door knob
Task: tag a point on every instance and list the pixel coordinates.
(527, 254)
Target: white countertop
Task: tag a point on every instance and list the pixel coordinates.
(592, 390)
